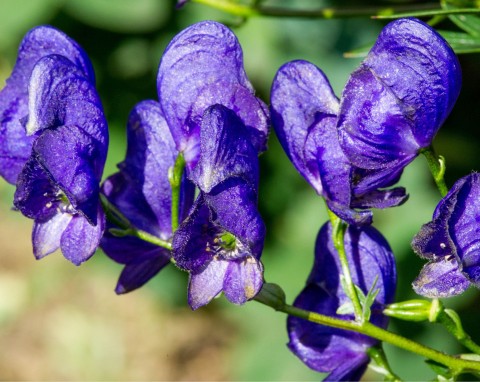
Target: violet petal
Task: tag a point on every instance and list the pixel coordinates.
(301, 97)
(203, 286)
(440, 278)
(243, 280)
(80, 239)
(37, 43)
(46, 235)
(395, 102)
(203, 66)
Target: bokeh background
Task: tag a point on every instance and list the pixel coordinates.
(61, 322)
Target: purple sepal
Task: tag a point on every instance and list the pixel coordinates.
(304, 114)
(450, 242)
(39, 42)
(338, 352)
(225, 150)
(73, 234)
(220, 244)
(137, 272)
(394, 103)
(440, 278)
(141, 191)
(203, 66)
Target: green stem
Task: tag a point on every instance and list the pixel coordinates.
(433, 12)
(126, 227)
(457, 365)
(243, 10)
(436, 164)
(338, 236)
(451, 321)
(383, 367)
(175, 177)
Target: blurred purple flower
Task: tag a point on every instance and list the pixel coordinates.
(141, 191)
(451, 242)
(342, 353)
(221, 240)
(203, 66)
(58, 186)
(15, 144)
(395, 102)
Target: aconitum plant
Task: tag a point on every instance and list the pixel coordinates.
(187, 191)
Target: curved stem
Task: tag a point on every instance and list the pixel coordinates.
(338, 238)
(457, 365)
(126, 227)
(383, 367)
(175, 177)
(436, 164)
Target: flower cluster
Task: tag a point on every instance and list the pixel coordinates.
(190, 177)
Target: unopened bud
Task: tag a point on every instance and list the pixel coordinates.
(415, 310)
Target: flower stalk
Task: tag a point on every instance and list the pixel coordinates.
(126, 228)
(175, 178)
(338, 236)
(436, 164)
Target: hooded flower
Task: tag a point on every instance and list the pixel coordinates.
(15, 144)
(203, 66)
(305, 116)
(221, 240)
(342, 353)
(141, 191)
(58, 186)
(450, 242)
(395, 102)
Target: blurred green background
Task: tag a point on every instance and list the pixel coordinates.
(59, 322)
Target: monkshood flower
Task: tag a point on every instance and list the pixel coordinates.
(15, 144)
(394, 103)
(221, 240)
(305, 117)
(203, 66)
(342, 353)
(141, 191)
(59, 185)
(450, 242)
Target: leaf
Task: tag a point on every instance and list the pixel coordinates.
(469, 23)
(461, 42)
(345, 309)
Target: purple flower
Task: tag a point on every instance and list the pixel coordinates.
(203, 66)
(141, 191)
(450, 242)
(339, 352)
(15, 144)
(305, 116)
(58, 186)
(394, 103)
(221, 240)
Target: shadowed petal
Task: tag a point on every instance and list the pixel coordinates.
(137, 272)
(225, 150)
(234, 208)
(203, 66)
(70, 158)
(301, 97)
